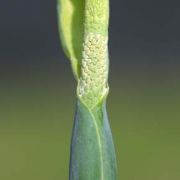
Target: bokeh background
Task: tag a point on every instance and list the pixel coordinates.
(37, 90)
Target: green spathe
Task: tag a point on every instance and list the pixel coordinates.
(71, 27)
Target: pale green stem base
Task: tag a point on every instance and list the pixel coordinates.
(92, 149)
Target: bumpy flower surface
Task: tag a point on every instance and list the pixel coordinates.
(97, 16)
(94, 69)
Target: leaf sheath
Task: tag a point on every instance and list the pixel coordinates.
(92, 149)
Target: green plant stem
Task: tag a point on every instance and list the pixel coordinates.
(83, 28)
(92, 149)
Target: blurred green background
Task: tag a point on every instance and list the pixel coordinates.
(37, 91)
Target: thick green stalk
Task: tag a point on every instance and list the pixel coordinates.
(84, 35)
(92, 149)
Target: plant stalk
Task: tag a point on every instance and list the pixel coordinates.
(83, 28)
